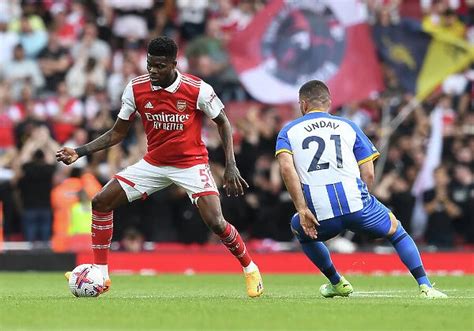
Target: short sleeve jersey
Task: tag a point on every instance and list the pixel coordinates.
(327, 151)
(172, 118)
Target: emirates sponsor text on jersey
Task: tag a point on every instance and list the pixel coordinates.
(166, 121)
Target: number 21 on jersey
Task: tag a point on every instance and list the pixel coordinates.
(321, 146)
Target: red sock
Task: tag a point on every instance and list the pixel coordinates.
(234, 243)
(102, 229)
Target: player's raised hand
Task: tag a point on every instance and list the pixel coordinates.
(234, 184)
(66, 155)
(308, 222)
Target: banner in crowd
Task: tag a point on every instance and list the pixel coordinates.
(292, 41)
(421, 61)
(425, 179)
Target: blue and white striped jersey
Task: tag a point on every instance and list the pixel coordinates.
(327, 151)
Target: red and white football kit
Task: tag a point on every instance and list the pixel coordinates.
(172, 118)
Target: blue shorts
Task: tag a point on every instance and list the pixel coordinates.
(373, 219)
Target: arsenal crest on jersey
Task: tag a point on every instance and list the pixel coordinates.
(181, 105)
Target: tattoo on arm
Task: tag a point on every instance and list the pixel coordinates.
(98, 144)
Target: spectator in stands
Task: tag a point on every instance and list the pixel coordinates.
(394, 190)
(249, 147)
(132, 240)
(96, 102)
(21, 71)
(162, 22)
(81, 213)
(130, 18)
(98, 113)
(133, 52)
(7, 138)
(268, 124)
(65, 33)
(231, 18)
(64, 196)
(66, 113)
(8, 40)
(35, 184)
(31, 114)
(270, 221)
(207, 57)
(354, 112)
(29, 106)
(90, 46)
(32, 40)
(441, 211)
(86, 75)
(7, 105)
(462, 189)
(77, 15)
(192, 17)
(443, 19)
(54, 63)
(118, 80)
(31, 11)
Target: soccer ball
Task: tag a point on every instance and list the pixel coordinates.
(86, 280)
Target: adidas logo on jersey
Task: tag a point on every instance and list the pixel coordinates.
(149, 105)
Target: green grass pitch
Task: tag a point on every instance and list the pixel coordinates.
(42, 301)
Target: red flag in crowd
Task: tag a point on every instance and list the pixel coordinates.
(290, 42)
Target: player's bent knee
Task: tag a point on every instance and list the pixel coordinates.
(99, 203)
(214, 220)
(217, 226)
(211, 213)
(394, 224)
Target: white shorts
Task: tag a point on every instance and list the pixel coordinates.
(143, 179)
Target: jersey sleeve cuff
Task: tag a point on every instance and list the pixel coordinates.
(283, 150)
(369, 158)
(130, 118)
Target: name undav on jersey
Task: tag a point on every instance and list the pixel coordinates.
(320, 125)
(166, 121)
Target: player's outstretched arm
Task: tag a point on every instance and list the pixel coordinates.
(112, 137)
(308, 220)
(234, 184)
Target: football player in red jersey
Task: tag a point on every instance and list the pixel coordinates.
(171, 106)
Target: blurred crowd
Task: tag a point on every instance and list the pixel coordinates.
(64, 65)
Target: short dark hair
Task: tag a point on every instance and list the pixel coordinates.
(315, 90)
(163, 46)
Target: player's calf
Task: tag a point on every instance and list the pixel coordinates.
(316, 251)
(409, 254)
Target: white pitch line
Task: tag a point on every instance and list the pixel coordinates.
(398, 294)
(384, 292)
